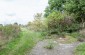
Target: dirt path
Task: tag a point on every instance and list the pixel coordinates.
(60, 49)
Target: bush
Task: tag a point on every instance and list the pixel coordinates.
(44, 33)
(58, 22)
(11, 30)
(8, 32)
(38, 23)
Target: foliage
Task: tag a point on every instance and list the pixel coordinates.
(54, 5)
(80, 50)
(53, 21)
(76, 7)
(75, 34)
(37, 24)
(58, 23)
(23, 44)
(44, 33)
(8, 32)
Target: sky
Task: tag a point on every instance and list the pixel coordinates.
(20, 11)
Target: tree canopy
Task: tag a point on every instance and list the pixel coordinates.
(76, 7)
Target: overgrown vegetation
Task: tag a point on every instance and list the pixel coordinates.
(58, 23)
(80, 50)
(22, 44)
(8, 32)
(65, 18)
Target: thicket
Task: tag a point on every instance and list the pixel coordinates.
(55, 23)
(38, 24)
(61, 16)
(58, 22)
(65, 16)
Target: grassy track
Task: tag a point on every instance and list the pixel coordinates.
(24, 43)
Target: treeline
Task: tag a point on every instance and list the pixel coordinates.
(61, 16)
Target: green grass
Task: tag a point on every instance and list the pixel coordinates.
(80, 50)
(70, 39)
(75, 34)
(21, 45)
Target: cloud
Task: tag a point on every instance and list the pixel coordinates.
(20, 11)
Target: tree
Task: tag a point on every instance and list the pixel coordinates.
(54, 5)
(37, 24)
(58, 22)
(38, 16)
(76, 7)
(53, 22)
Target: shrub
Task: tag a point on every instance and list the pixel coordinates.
(38, 23)
(59, 22)
(8, 32)
(44, 33)
(11, 30)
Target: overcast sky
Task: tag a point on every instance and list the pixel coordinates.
(20, 11)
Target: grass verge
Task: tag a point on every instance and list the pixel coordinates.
(21, 45)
